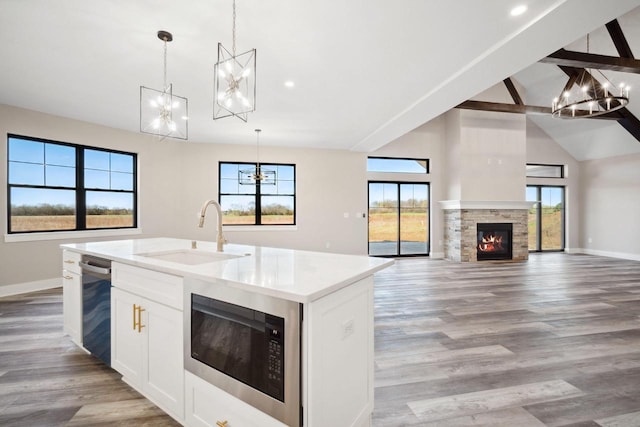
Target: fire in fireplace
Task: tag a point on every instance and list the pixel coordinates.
(494, 241)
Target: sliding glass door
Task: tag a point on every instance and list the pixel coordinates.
(398, 218)
(546, 218)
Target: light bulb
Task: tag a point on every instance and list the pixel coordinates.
(246, 72)
(585, 88)
(221, 73)
(172, 126)
(153, 103)
(229, 66)
(566, 94)
(228, 102)
(155, 123)
(176, 104)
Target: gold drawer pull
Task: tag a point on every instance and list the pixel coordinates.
(137, 323)
(69, 261)
(221, 423)
(68, 277)
(140, 325)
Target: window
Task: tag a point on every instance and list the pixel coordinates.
(388, 164)
(269, 203)
(398, 218)
(545, 171)
(546, 218)
(56, 186)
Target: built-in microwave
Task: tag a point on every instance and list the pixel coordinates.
(246, 344)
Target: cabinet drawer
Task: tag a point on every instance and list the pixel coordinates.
(205, 405)
(71, 261)
(160, 287)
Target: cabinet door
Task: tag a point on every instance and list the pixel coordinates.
(126, 341)
(72, 305)
(163, 371)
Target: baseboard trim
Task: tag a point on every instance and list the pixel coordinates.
(436, 255)
(23, 288)
(608, 254)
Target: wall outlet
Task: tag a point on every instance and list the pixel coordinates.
(347, 328)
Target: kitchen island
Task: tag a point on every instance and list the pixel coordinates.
(150, 326)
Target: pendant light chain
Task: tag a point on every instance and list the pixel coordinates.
(233, 30)
(164, 87)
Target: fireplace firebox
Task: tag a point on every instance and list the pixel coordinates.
(494, 241)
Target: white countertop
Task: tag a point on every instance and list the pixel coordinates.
(300, 276)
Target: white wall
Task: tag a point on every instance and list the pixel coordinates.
(610, 203)
(176, 177)
(329, 184)
(428, 142)
(493, 156)
(542, 149)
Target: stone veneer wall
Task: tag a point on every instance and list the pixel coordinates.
(461, 238)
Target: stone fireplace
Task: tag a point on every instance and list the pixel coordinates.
(463, 238)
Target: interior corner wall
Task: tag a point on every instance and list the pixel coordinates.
(159, 183)
(542, 149)
(452, 155)
(176, 177)
(610, 202)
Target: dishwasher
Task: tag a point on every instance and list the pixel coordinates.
(96, 306)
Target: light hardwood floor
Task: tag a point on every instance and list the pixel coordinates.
(554, 341)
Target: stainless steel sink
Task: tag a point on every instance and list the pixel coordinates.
(189, 256)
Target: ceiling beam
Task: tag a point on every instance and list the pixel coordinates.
(591, 60)
(513, 91)
(498, 107)
(619, 40)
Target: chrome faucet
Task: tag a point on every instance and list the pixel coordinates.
(220, 238)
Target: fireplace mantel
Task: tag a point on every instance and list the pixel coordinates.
(481, 204)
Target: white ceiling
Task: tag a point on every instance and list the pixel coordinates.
(366, 71)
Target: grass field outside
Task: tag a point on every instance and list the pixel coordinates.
(67, 222)
(551, 229)
(383, 226)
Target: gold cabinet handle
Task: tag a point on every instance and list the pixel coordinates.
(135, 324)
(221, 423)
(140, 325)
(68, 277)
(69, 261)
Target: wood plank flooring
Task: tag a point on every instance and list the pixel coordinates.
(554, 341)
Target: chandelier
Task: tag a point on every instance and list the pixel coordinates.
(585, 96)
(162, 113)
(234, 80)
(257, 174)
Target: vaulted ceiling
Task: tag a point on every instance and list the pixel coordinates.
(365, 72)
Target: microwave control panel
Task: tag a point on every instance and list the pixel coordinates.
(275, 371)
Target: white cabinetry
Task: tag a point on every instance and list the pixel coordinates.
(208, 406)
(72, 295)
(338, 362)
(146, 335)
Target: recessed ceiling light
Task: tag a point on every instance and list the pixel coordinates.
(289, 83)
(519, 10)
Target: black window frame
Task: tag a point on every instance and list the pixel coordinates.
(427, 164)
(561, 167)
(258, 194)
(80, 189)
(539, 188)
